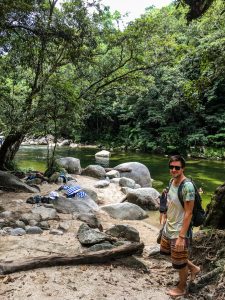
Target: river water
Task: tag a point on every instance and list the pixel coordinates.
(207, 174)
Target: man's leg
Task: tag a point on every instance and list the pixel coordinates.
(181, 288)
(180, 263)
(193, 269)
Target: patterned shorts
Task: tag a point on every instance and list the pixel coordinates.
(179, 258)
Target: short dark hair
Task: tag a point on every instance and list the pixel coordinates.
(178, 158)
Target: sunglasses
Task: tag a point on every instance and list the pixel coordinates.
(177, 168)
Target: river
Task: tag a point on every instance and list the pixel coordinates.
(206, 173)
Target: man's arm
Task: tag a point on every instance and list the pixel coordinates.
(188, 210)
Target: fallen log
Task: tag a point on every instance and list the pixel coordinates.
(85, 258)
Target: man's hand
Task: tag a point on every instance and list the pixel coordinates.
(180, 243)
(162, 218)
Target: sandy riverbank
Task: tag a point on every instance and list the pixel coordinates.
(108, 281)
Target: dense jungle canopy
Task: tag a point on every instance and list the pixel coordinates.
(157, 84)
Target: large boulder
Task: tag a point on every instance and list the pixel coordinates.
(215, 211)
(90, 219)
(127, 182)
(10, 182)
(91, 193)
(103, 153)
(71, 205)
(125, 211)
(136, 171)
(146, 198)
(89, 236)
(95, 171)
(64, 143)
(124, 231)
(70, 164)
(45, 213)
(113, 174)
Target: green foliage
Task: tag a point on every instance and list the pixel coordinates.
(181, 106)
(158, 85)
(52, 168)
(12, 166)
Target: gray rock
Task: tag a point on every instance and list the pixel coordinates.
(126, 232)
(90, 219)
(11, 182)
(7, 229)
(54, 177)
(133, 262)
(89, 236)
(3, 232)
(33, 230)
(209, 297)
(64, 226)
(17, 231)
(64, 143)
(102, 183)
(26, 217)
(48, 205)
(115, 180)
(33, 223)
(6, 214)
(125, 211)
(34, 181)
(3, 223)
(67, 206)
(113, 174)
(125, 190)
(44, 225)
(102, 161)
(56, 232)
(45, 213)
(43, 141)
(72, 182)
(127, 182)
(154, 250)
(70, 164)
(101, 246)
(20, 224)
(103, 153)
(137, 186)
(95, 171)
(91, 193)
(146, 198)
(136, 171)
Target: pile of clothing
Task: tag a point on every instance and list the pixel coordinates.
(72, 191)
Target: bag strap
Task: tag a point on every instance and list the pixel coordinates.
(180, 188)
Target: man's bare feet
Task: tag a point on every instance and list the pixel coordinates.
(194, 272)
(176, 292)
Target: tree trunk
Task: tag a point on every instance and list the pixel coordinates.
(9, 148)
(197, 8)
(85, 258)
(216, 209)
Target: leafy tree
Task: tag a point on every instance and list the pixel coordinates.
(40, 40)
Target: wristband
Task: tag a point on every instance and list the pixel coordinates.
(182, 237)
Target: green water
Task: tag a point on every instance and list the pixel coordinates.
(207, 174)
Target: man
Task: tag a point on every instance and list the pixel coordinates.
(176, 233)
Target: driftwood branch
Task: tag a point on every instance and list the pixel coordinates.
(85, 258)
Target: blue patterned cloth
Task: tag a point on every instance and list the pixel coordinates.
(72, 191)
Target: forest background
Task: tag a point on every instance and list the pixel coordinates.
(156, 85)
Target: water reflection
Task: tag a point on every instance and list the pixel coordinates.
(102, 161)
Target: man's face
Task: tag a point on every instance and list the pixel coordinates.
(176, 169)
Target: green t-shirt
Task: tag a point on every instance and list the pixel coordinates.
(175, 211)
